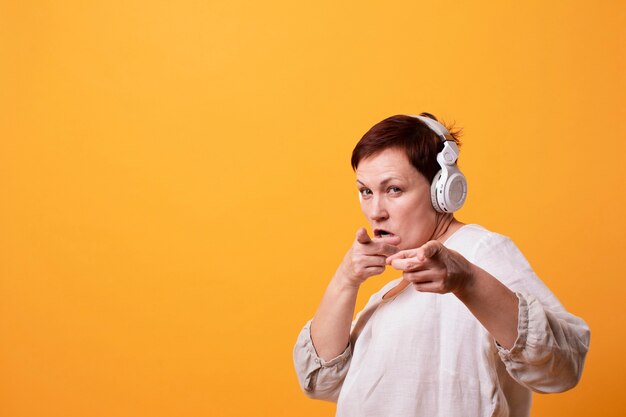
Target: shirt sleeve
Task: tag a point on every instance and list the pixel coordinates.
(318, 378)
(551, 346)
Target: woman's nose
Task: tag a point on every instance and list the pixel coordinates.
(378, 211)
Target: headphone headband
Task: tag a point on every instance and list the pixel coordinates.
(436, 127)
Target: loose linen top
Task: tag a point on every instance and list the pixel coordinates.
(425, 354)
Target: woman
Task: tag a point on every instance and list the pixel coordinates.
(469, 329)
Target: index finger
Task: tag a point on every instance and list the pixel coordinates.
(408, 264)
(383, 249)
(403, 254)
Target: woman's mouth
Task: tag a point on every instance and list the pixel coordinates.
(382, 233)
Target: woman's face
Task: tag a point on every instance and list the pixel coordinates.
(395, 198)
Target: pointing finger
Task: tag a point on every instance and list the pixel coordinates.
(388, 250)
(407, 253)
(382, 249)
(408, 264)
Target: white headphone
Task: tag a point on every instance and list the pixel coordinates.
(449, 187)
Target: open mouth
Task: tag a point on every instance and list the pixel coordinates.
(382, 233)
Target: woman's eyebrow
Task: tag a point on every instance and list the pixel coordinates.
(383, 182)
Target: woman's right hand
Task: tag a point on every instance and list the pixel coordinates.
(366, 257)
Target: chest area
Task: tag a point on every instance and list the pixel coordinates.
(424, 325)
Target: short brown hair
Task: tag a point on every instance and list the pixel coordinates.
(409, 133)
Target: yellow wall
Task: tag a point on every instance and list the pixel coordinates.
(175, 188)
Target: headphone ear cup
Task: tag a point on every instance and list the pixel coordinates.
(433, 192)
(448, 192)
(456, 191)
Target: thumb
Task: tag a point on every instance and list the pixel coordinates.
(431, 249)
(362, 236)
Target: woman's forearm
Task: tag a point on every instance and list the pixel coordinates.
(493, 304)
(330, 329)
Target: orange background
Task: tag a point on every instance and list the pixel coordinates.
(175, 188)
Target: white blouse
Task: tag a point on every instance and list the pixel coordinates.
(425, 354)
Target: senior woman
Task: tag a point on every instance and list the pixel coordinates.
(468, 330)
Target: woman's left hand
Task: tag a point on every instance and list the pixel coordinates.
(433, 268)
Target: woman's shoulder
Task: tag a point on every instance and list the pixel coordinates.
(472, 238)
(474, 233)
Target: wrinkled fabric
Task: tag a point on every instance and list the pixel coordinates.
(424, 354)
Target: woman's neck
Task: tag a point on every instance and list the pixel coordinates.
(445, 227)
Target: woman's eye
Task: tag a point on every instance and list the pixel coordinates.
(364, 191)
(394, 190)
